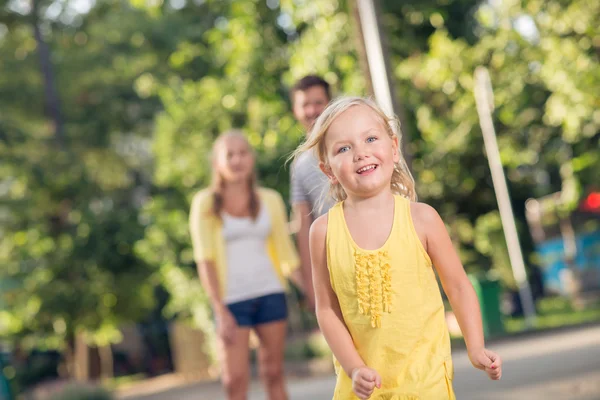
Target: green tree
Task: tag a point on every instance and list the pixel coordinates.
(71, 208)
(541, 57)
(252, 52)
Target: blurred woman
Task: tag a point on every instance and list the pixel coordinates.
(243, 253)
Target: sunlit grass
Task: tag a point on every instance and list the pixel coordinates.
(121, 381)
(556, 312)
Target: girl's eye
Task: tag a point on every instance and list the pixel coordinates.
(371, 139)
(343, 149)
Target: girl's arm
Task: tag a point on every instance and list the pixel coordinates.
(454, 280)
(432, 232)
(328, 310)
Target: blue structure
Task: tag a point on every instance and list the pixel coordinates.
(586, 262)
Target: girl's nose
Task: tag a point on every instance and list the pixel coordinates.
(359, 154)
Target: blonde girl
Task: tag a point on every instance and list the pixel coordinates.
(374, 258)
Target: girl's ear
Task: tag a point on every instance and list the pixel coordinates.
(396, 149)
(327, 171)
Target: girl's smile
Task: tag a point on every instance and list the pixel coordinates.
(367, 170)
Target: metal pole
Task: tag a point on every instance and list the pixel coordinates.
(375, 56)
(485, 105)
(373, 45)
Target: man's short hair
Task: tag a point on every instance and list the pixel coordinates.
(309, 81)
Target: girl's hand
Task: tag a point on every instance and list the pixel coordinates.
(226, 326)
(364, 381)
(487, 361)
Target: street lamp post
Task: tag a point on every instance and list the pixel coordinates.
(376, 66)
(484, 98)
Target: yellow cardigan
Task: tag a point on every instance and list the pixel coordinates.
(209, 245)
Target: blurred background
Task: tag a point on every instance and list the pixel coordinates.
(108, 109)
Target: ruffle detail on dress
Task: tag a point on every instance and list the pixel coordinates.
(373, 284)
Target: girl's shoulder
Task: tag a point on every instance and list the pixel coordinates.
(425, 218)
(203, 198)
(268, 192)
(422, 212)
(318, 229)
(271, 197)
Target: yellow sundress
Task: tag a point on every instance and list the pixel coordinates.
(392, 306)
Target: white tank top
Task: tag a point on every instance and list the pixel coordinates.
(250, 272)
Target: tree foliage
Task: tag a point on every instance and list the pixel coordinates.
(541, 57)
(92, 224)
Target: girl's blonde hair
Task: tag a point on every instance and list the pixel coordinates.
(402, 181)
(217, 184)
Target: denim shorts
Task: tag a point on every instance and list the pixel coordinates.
(260, 310)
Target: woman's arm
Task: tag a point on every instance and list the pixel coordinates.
(201, 235)
(210, 282)
(225, 320)
(328, 310)
(286, 251)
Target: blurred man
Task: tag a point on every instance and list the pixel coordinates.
(309, 186)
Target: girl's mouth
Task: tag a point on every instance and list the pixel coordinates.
(367, 169)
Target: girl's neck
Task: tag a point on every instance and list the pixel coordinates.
(375, 203)
(236, 188)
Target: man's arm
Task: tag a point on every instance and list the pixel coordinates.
(301, 220)
(302, 215)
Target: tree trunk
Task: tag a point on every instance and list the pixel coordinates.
(81, 359)
(70, 357)
(52, 101)
(106, 362)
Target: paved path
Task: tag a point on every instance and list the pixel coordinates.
(557, 366)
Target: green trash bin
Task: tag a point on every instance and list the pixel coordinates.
(488, 292)
(5, 392)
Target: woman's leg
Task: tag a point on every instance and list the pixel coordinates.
(270, 357)
(235, 364)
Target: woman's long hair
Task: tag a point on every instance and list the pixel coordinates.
(217, 185)
(402, 182)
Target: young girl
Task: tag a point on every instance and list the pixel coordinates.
(377, 299)
(243, 252)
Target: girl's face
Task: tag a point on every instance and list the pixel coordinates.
(234, 159)
(360, 153)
